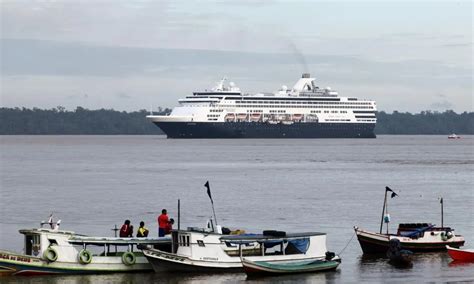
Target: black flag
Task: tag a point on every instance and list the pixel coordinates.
(393, 193)
(208, 190)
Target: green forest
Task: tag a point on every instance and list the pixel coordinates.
(58, 120)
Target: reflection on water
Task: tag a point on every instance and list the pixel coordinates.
(173, 278)
(328, 185)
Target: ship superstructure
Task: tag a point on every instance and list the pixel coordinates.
(304, 111)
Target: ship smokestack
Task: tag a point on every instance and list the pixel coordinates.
(305, 75)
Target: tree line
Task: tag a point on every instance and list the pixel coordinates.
(108, 121)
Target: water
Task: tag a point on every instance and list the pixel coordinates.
(329, 185)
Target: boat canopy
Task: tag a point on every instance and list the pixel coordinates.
(79, 240)
(245, 238)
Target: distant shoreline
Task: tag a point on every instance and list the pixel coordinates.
(81, 121)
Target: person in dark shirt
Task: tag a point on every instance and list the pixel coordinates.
(162, 223)
(142, 232)
(169, 227)
(127, 230)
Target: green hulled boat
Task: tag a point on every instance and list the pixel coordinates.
(288, 267)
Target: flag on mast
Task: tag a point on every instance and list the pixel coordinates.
(393, 193)
(209, 191)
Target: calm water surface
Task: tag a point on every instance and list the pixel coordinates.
(329, 185)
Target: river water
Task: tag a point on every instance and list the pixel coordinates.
(328, 185)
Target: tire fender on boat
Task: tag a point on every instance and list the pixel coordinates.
(50, 254)
(128, 258)
(85, 256)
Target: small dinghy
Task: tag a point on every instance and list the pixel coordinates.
(464, 255)
(253, 268)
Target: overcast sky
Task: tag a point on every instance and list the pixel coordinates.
(407, 55)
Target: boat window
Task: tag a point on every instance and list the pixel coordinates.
(53, 242)
(200, 243)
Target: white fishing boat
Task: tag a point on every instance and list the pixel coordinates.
(54, 251)
(208, 250)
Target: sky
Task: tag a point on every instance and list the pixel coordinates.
(130, 55)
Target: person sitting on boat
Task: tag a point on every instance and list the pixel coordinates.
(169, 227)
(127, 230)
(162, 223)
(142, 231)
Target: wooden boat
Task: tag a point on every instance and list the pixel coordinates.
(464, 255)
(208, 250)
(54, 251)
(253, 268)
(416, 237)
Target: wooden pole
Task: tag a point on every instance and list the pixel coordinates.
(383, 211)
(179, 214)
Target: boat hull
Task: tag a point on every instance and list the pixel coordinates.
(17, 264)
(254, 268)
(461, 255)
(162, 261)
(265, 130)
(374, 243)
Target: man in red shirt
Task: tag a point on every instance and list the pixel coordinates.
(162, 223)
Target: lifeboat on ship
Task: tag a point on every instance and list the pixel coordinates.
(241, 116)
(255, 116)
(297, 117)
(230, 117)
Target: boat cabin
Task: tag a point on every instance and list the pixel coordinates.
(65, 246)
(213, 246)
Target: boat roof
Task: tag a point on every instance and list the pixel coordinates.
(46, 230)
(117, 241)
(261, 237)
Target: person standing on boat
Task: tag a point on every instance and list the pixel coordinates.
(142, 231)
(127, 230)
(162, 223)
(169, 226)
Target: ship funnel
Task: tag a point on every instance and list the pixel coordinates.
(305, 75)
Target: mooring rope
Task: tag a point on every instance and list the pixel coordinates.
(347, 244)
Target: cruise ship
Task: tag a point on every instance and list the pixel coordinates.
(303, 111)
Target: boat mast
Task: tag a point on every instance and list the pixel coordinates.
(383, 211)
(442, 213)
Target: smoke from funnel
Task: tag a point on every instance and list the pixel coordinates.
(299, 56)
